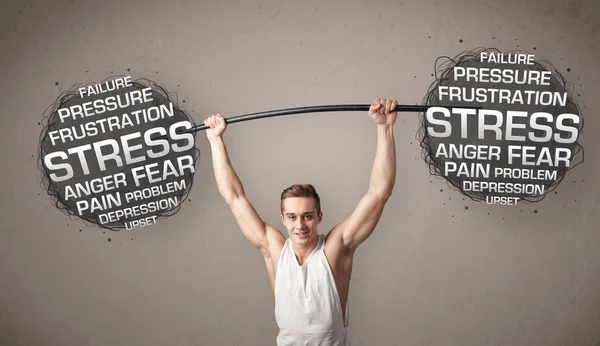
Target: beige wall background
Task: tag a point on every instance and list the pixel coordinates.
(433, 273)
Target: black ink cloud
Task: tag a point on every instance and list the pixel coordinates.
(526, 131)
(101, 159)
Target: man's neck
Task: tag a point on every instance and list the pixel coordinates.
(303, 251)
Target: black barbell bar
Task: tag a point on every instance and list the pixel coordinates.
(312, 109)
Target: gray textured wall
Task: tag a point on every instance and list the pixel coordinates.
(433, 273)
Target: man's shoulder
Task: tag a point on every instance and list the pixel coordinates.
(333, 242)
(275, 240)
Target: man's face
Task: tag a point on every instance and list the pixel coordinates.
(300, 217)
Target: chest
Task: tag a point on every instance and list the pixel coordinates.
(313, 277)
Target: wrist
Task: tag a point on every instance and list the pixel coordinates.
(385, 127)
(215, 139)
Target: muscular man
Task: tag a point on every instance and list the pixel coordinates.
(310, 272)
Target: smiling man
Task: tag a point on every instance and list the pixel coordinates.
(310, 272)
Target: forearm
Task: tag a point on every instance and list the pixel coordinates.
(228, 182)
(383, 175)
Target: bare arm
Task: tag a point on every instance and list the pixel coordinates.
(361, 223)
(228, 182)
(232, 190)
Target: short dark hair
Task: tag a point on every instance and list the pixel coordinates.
(301, 190)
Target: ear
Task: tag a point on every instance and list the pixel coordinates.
(320, 216)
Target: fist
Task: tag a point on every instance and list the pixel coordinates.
(215, 126)
(381, 111)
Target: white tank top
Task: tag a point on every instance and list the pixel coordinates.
(307, 305)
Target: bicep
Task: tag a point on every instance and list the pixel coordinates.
(250, 223)
(361, 223)
(256, 231)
